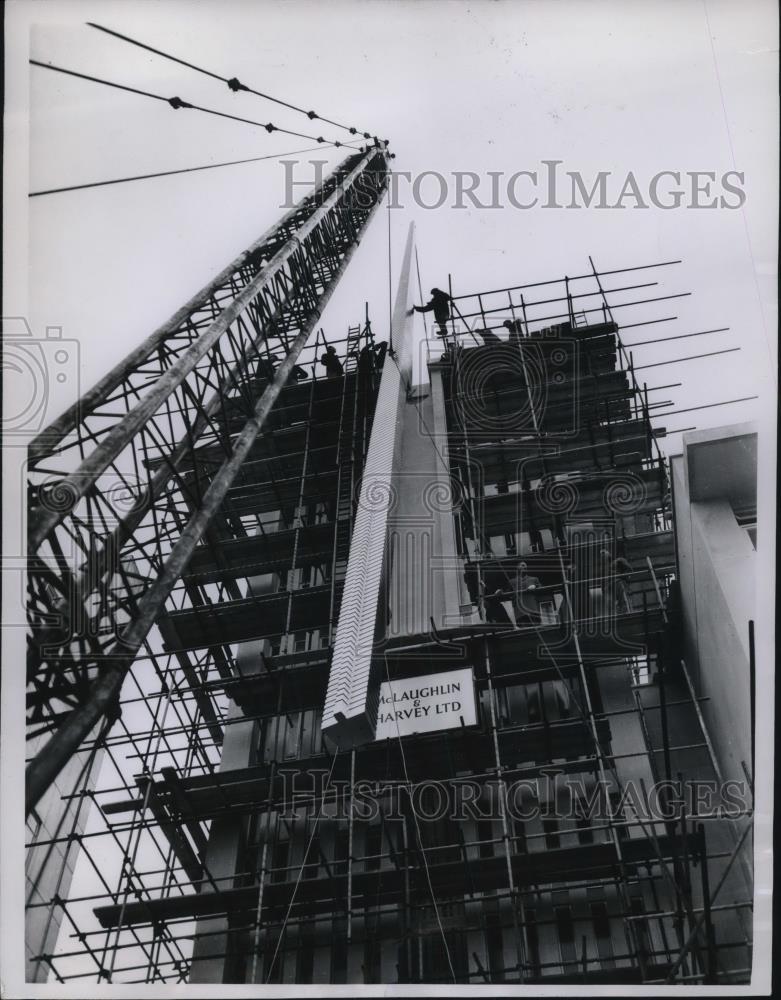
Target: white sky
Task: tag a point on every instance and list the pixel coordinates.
(455, 86)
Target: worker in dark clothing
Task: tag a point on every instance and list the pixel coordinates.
(489, 337)
(365, 359)
(495, 611)
(515, 328)
(439, 304)
(332, 364)
(471, 580)
(616, 574)
(370, 357)
(527, 604)
(267, 367)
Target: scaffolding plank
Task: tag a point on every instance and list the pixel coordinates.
(266, 553)
(249, 618)
(549, 866)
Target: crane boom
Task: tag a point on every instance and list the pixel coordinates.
(127, 481)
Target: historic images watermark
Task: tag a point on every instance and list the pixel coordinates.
(552, 794)
(549, 185)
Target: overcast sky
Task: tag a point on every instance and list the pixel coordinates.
(455, 86)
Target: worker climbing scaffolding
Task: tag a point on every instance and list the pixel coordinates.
(439, 304)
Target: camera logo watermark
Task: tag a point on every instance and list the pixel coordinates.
(36, 371)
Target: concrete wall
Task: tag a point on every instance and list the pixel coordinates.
(717, 566)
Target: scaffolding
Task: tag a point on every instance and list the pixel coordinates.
(236, 845)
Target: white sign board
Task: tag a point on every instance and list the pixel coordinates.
(426, 704)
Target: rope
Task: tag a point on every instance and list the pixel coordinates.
(177, 103)
(234, 84)
(169, 173)
(420, 294)
(390, 280)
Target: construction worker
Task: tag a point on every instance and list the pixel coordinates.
(615, 576)
(489, 337)
(471, 579)
(371, 356)
(439, 304)
(267, 368)
(332, 364)
(365, 358)
(495, 611)
(527, 605)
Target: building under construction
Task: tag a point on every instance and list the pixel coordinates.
(386, 681)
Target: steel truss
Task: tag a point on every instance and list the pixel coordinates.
(115, 508)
